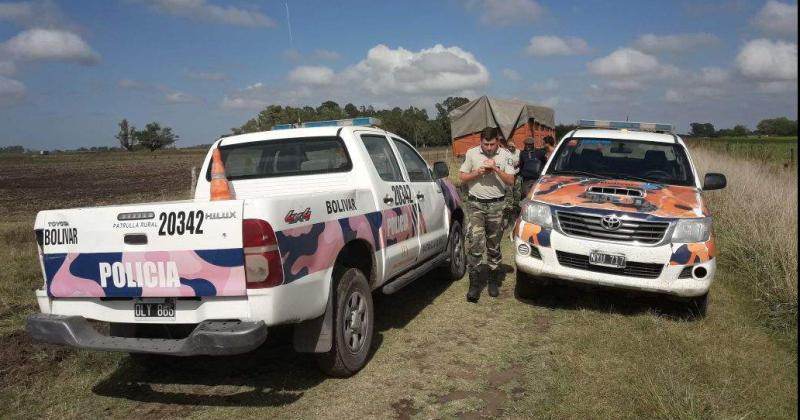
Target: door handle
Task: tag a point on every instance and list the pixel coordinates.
(420, 196)
(388, 199)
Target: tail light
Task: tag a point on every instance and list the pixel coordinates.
(262, 261)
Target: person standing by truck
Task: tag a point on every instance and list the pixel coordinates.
(512, 191)
(531, 162)
(487, 173)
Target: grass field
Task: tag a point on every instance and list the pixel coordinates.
(570, 352)
(781, 150)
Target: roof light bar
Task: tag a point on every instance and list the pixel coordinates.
(623, 125)
(361, 121)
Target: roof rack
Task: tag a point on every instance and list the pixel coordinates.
(361, 121)
(627, 125)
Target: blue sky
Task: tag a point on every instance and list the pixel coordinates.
(69, 71)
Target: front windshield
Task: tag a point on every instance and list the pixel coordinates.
(613, 159)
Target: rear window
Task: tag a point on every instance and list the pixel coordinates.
(287, 157)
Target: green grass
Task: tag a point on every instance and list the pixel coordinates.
(778, 150)
(568, 353)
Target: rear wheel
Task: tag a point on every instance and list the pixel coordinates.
(353, 326)
(457, 256)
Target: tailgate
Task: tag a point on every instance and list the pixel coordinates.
(150, 250)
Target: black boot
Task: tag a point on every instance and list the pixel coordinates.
(494, 284)
(474, 287)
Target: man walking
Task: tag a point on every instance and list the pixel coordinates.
(487, 172)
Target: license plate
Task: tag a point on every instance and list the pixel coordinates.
(607, 260)
(155, 310)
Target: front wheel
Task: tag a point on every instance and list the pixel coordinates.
(525, 287)
(698, 306)
(353, 326)
(457, 256)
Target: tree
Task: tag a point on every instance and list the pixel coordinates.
(740, 131)
(155, 137)
(563, 129)
(702, 129)
(781, 126)
(126, 135)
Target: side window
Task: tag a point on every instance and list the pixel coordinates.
(417, 169)
(383, 158)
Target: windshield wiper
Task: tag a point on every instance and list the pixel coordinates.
(580, 173)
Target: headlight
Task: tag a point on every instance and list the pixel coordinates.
(537, 213)
(692, 230)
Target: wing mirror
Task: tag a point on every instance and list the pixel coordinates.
(714, 181)
(441, 170)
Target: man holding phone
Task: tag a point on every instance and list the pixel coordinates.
(487, 173)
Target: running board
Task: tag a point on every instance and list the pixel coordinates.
(415, 273)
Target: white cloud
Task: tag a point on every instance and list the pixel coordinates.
(43, 13)
(512, 75)
(625, 85)
(292, 54)
(50, 44)
(767, 60)
(11, 90)
(505, 12)
(780, 87)
(312, 75)
(433, 71)
(203, 11)
(628, 62)
(713, 75)
(7, 67)
(234, 102)
(326, 55)
(209, 76)
(549, 85)
(672, 95)
(651, 43)
(179, 98)
(777, 18)
(134, 85)
(553, 45)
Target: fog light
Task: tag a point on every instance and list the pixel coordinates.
(700, 272)
(524, 249)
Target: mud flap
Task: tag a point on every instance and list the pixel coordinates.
(316, 335)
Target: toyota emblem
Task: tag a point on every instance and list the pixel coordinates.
(610, 222)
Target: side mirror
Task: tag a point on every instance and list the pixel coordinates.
(441, 170)
(714, 181)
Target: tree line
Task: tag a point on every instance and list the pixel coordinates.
(780, 126)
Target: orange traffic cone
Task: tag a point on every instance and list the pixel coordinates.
(220, 190)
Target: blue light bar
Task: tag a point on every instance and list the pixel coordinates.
(626, 125)
(361, 121)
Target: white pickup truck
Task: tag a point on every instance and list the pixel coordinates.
(321, 216)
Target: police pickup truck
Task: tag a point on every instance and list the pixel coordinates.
(620, 204)
(319, 217)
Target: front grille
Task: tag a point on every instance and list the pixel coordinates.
(632, 269)
(588, 226)
(686, 273)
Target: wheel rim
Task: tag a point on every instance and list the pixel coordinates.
(356, 322)
(458, 252)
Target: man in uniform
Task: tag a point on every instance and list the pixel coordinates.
(486, 172)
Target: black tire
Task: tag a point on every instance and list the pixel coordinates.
(456, 252)
(525, 287)
(352, 303)
(698, 306)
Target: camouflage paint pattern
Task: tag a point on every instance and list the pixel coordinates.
(695, 253)
(201, 273)
(484, 232)
(659, 200)
(533, 234)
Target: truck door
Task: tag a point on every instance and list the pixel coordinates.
(430, 203)
(396, 203)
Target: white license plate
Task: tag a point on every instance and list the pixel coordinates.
(155, 310)
(607, 260)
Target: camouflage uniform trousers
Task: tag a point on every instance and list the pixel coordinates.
(484, 233)
(513, 196)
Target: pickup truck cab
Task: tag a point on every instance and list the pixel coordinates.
(619, 204)
(321, 216)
